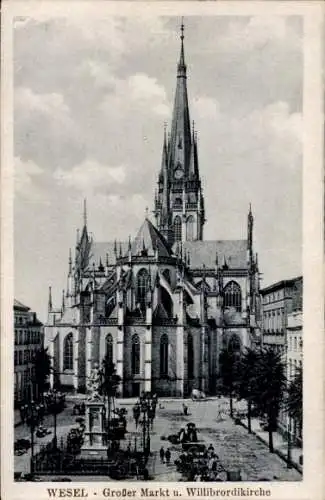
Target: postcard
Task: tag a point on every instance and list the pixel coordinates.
(162, 302)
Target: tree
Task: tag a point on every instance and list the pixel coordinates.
(42, 369)
(248, 380)
(228, 361)
(294, 399)
(270, 387)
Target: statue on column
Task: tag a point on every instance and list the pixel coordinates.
(94, 384)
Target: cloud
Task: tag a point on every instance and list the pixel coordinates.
(254, 33)
(48, 104)
(90, 176)
(25, 173)
(137, 92)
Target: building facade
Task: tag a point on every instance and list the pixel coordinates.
(295, 359)
(161, 305)
(29, 337)
(278, 301)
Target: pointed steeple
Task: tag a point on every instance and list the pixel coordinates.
(70, 262)
(250, 224)
(85, 213)
(193, 171)
(63, 303)
(50, 305)
(180, 140)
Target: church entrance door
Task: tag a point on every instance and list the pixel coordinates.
(135, 389)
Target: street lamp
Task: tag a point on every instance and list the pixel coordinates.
(145, 406)
(55, 440)
(33, 418)
(289, 457)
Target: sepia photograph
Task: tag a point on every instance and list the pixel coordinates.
(158, 291)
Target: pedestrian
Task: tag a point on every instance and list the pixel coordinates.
(162, 454)
(168, 456)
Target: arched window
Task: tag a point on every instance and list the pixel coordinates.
(109, 348)
(135, 355)
(68, 352)
(164, 355)
(232, 295)
(166, 274)
(177, 228)
(190, 356)
(142, 287)
(190, 228)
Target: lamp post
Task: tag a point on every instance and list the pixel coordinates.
(55, 439)
(289, 458)
(32, 419)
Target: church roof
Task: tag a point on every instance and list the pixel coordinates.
(203, 253)
(19, 305)
(100, 249)
(150, 239)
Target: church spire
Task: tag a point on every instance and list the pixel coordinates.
(50, 306)
(180, 139)
(85, 212)
(181, 70)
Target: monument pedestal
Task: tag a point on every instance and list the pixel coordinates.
(95, 440)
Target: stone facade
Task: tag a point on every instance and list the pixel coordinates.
(28, 339)
(162, 305)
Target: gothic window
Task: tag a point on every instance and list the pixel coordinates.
(190, 356)
(178, 202)
(232, 295)
(142, 287)
(190, 228)
(68, 352)
(166, 274)
(109, 348)
(164, 355)
(135, 355)
(177, 228)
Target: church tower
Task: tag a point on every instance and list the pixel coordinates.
(179, 203)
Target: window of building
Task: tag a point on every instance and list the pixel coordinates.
(232, 295)
(190, 228)
(109, 348)
(15, 358)
(177, 228)
(142, 288)
(68, 352)
(166, 274)
(190, 356)
(295, 343)
(164, 355)
(135, 355)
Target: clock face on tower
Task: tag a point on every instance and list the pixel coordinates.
(178, 173)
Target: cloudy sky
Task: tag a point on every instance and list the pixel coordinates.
(91, 98)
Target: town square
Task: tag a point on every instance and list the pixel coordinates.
(162, 337)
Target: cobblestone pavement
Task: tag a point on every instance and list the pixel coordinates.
(235, 447)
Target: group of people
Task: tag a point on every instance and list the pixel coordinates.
(151, 405)
(165, 455)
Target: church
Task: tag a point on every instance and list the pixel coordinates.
(160, 306)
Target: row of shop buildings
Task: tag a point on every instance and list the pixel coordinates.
(28, 338)
(282, 328)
